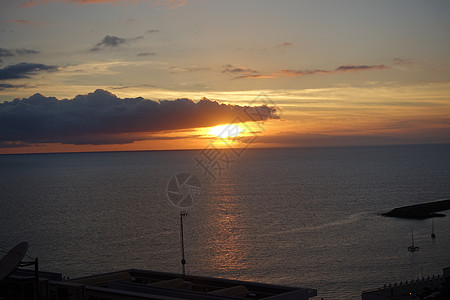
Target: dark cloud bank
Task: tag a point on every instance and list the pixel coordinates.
(102, 118)
(24, 70)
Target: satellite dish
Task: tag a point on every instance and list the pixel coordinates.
(11, 261)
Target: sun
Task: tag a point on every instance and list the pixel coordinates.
(224, 131)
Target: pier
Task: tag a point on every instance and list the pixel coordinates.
(420, 211)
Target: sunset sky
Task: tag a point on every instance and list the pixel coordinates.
(332, 72)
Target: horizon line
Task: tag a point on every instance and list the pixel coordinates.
(228, 148)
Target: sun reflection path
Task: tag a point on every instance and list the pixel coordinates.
(227, 239)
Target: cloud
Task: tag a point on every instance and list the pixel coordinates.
(15, 52)
(231, 69)
(171, 3)
(4, 86)
(13, 144)
(403, 62)
(347, 68)
(102, 118)
(24, 70)
(146, 54)
(243, 72)
(344, 68)
(26, 51)
(111, 41)
(153, 31)
(21, 21)
(189, 69)
(285, 44)
(302, 72)
(5, 52)
(27, 22)
(295, 139)
(136, 38)
(256, 76)
(340, 69)
(30, 3)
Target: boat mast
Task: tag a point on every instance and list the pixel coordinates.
(412, 248)
(432, 230)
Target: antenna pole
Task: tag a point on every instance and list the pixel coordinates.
(183, 260)
(36, 277)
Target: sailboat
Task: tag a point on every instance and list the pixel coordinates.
(432, 230)
(412, 248)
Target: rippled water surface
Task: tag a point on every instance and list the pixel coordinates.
(306, 217)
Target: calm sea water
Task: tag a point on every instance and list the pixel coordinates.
(304, 217)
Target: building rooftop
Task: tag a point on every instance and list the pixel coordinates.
(177, 286)
(144, 284)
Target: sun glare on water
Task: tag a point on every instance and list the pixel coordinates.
(224, 131)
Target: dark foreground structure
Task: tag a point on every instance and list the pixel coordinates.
(420, 211)
(141, 284)
(431, 288)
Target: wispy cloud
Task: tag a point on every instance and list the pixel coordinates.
(24, 70)
(256, 76)
(347, 68)
(170, 3)
(340, 69)
(153, 31)
(343, 68)
(13, 144)
(16, 52)
(285, 44)
(21, 21)
(189, 69)
(102, 118)
(26, 51)
(403, 62)
(228, 68)
(301, 72)
(4, 86)
(146, 54)
(244, 72)
(5, 52)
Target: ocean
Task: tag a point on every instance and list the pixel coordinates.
(306, 217)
